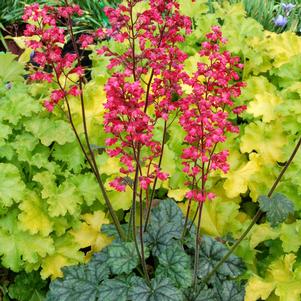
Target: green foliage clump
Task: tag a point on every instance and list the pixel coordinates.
(113, 273)
(46, 214)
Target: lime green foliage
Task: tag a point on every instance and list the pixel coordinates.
(46, 191)
(283, 277)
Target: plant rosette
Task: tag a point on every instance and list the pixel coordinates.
(115, 272)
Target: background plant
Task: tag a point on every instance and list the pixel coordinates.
(267, 12)
(11, 16)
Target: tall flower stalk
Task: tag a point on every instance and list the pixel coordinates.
(139, 96)
(58, 68)
(204, 118)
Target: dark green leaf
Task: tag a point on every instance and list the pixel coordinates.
(230, 291)
(36, 296)
(80, 283)
(166, 224)
(211, 253)
(27, 287)
(206, 295)
(175, 264)
(277, 208)
(160, 290)
(110, 230)
(115, 289)
(159, 238)
(123, 257)
(167, 212)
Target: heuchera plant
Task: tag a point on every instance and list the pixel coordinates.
(146, 92)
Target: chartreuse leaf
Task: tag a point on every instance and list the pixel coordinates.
(88, 187)
(281, 47)
(277, 208)
(66, 252)
(193, 9)
(94, 97)
(49, 131)
(27, 287)
(120, 200)
(71, 154)
(290, 73)
(175, 264)
(238, 179)
(290, 235)
(89, 235)
(108, 165)
(24, 145)
(18, 247)
(211, 253)
(260, 137)
(17, 104)
(65, 199)
(261, 233)
(11, 185)
(116, 289)
(5, 131)
(34, 217)
(291, 106)
(11, 70)
(220, 218)
(168, 162)
(264, 98)
(177, 194)
(160, 290)
(61, 199)
(283, 277)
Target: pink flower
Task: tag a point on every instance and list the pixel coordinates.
(49, 106)
(130, 99)
(57, 95)
(43, 76)
(74, 90)
(118, 184)
(50, 43)
(204, 115)
(85, 40)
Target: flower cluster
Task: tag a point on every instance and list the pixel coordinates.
(141, 94)
(204, 115)
(48, 48)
